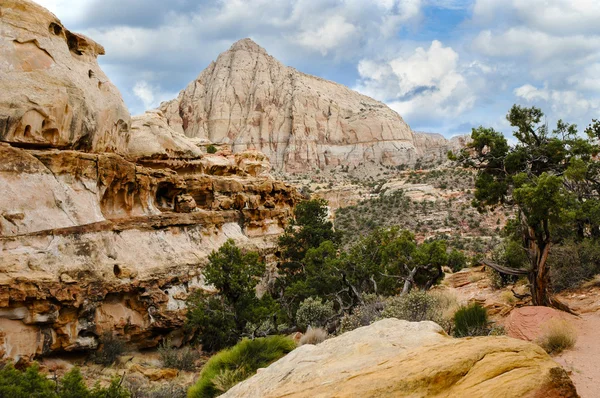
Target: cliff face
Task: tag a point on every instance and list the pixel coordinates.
(248, 99)
(105, 222)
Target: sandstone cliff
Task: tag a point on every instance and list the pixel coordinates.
(248, 99)
(393, 358)
(105, 221)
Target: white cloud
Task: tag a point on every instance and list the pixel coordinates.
(563, 103)
(427, 83)
(562, 17)
(151, 96)
(331, 35)
(68, 11)
(540, 46)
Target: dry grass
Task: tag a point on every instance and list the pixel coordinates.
(448, 303)
(508, 297)
(558, 336)
(314, 336)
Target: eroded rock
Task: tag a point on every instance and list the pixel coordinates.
(53, 94)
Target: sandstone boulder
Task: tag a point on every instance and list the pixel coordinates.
(52, 91)
(528, 323)
(394, 358)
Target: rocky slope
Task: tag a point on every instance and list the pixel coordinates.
(248, 99)
(105, 222)
(394, 358)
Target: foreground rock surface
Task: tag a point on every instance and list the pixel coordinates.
(394, 358)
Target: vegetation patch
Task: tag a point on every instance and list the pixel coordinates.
(233, 365)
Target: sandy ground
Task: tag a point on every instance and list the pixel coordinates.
(583, 361)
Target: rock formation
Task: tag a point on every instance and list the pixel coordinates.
(53, 94)
(249, 100)
(105, 222)
(393, 358)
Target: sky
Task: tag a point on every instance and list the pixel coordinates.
(445, 66)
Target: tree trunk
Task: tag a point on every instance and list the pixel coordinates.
(539, 277)
(408, 282)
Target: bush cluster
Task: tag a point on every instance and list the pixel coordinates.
(233, 365)
(183, 359)
(314, 312)
(32, 383)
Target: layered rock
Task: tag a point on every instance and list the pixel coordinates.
(105, 224)
(248, 99)
(393, 358)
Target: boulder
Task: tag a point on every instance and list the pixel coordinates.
(394, 358)
(527, 323)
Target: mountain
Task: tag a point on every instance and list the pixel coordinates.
(248, 99)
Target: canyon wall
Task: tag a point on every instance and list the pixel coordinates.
(106, 220)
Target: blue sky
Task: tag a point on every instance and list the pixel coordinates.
(444, 65)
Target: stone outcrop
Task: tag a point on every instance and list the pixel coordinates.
(105, 222)
(394, 358)
(53, 94)
(249, 100)
(529, 323)
(431, 147)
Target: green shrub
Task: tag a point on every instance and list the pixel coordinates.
(313, 312)
(182, 359)
(111, 347)
(471, 320)
(32, 384)
(237, 363)
(17, 384)
(211, 149)
(457, 260)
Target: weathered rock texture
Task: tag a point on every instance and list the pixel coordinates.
(105, 224)
(53, 94)
(529, 323)
(248, 99)
(393, 358)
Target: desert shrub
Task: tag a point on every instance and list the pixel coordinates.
(313, 312)
(572, 263)
(237, 363)
(415, 306)
(362, 315)
(211, 149)
(182, 359)
(111, 347)
(558, 336)
(314, 336)
(139, 388)
(457, 260)
(471, 320)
